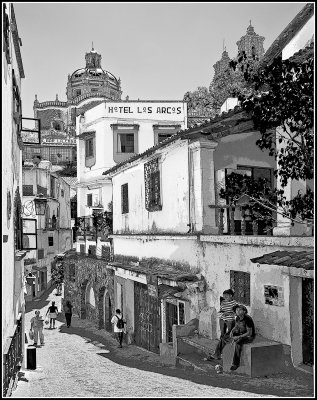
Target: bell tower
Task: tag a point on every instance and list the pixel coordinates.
(93, 59)
(251, 43)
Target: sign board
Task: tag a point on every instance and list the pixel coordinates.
(52, 141)
(173, 111)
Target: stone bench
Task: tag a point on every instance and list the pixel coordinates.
(259, 358)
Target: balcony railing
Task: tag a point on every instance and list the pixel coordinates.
(247, 224)
(12, 358)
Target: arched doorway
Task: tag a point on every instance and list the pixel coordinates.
(107, 311)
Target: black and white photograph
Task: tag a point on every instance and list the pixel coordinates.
(158, 199)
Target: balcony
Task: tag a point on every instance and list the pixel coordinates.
(241, 220)
(12, 358)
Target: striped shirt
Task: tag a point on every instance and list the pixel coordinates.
(226, 310)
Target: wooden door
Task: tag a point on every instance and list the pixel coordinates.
(171, 319)
(146, 319)
(308, 321)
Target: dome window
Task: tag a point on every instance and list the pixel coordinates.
(57, 126)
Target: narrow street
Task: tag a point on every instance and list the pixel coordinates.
(71, 365)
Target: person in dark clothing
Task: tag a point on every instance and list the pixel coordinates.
(243, 332)
(68, 309)
(53, 312)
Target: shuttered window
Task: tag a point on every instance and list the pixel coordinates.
(124, 199)
(240, 284)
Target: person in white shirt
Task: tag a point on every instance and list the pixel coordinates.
(37, 324)
(118, 326)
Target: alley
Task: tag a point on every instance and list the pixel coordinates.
(71, 365)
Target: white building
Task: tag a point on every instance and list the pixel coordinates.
(54, 233)
(113, 132)
(13, 304)
(166, 209)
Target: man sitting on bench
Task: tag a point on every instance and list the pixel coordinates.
(243, 332)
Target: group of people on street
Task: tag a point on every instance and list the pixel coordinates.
(37, 322)
(237, 328)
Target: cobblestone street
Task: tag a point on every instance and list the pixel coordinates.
(80, 362)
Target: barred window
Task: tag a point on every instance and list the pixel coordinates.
(152, 186)
(27, 190)
(124, 199)
(240, 284)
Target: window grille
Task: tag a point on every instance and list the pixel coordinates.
(124, 199)
(27, 190)
(152, 186)
(105, 252)
(240, 284)
(40, 254)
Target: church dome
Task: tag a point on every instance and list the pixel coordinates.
(93, 79)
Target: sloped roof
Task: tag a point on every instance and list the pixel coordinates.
(71, 180)
(231, 122)
(288, 34)
(287, 258)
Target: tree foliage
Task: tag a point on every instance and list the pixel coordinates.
(57, 272)
(68, 170)
(281, 105)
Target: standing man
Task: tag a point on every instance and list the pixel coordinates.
(37, 327)
(118, 325)
(243, 332)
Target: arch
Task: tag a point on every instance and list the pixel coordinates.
(90, 297)
(83, 299)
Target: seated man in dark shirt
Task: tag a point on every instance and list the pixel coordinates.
(243, 332)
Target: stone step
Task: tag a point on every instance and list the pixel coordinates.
(201, 345)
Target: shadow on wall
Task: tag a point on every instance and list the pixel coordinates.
(39, 303)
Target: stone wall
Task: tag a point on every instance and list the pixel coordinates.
(88, 271)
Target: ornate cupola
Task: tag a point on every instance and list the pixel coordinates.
(93, 81)
(223, 63)
(251, 43)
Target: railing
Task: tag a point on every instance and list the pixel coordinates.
(247, 224)
(12, 359)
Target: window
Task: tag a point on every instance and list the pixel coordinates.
(126, 142)
(124, 199)
(92, 250)
(77, 92)
(240, 284)
(89, 147)
(181, 313)
(94, 89)
(62, 192)
(152, 186)
(259, 172)
(82, 249)
(53, 183)
(89, 200)
(162, 137)
(27, 190)
(105, 252)
(50, 241)
(41, 190)
(40, 254)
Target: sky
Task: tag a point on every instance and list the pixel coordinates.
(159, 50)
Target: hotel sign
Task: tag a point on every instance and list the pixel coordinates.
(160, 110)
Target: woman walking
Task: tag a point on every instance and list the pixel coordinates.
(52, 311)
(68, 309)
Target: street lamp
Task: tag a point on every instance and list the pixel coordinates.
(40, 205)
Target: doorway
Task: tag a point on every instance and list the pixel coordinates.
(108, 312)
(171, 319)
(308, 321)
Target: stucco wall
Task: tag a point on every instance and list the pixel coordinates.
(174, 214)
(215, 258)
(300, 39)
